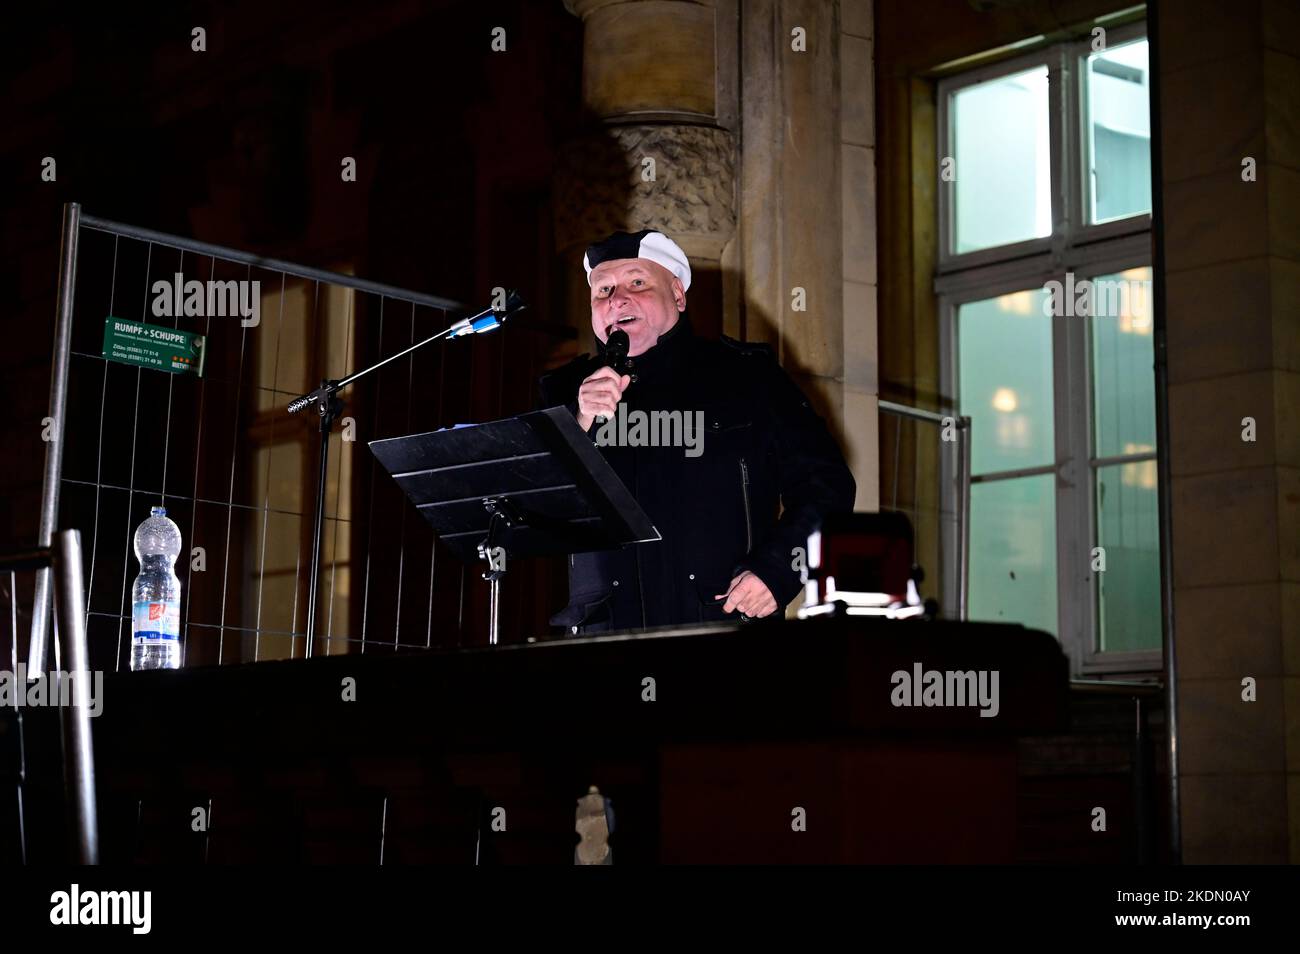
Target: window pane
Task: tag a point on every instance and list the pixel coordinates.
(280, 343)
(1013, 552)
(1002, 172)
(1123, 358)
(1004, 348)
(1128, 590)
(1118, 131)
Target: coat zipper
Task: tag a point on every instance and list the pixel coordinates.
(640, 583)
(744, 491)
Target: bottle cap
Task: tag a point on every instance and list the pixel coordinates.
(158, 511)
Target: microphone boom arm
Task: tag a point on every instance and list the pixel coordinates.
(487, 320)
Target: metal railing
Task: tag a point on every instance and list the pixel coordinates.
(959, 492)
(62, 563)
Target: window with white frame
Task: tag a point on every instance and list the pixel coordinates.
(1044, 287)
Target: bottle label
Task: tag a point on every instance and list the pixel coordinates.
(157, 622)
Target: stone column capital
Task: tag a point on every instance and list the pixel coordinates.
(679, 179)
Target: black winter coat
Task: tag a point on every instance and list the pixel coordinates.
(763, 447)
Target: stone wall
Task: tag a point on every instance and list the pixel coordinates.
(1230, 83)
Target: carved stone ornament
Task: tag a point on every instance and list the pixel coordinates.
(605, 183)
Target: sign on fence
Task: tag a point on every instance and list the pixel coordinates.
(153, 346)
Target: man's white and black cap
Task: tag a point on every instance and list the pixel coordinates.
(647, 244)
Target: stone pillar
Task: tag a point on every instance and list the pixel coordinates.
(658, 81)
(807, 223)
(858, 174)
(1230, 95)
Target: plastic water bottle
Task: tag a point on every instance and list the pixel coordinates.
(156, 595)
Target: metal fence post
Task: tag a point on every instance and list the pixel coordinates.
(78, 746)
(54, 448)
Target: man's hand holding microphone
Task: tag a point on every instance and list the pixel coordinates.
(599, 395)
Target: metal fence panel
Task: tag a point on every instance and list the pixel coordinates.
(233, 469)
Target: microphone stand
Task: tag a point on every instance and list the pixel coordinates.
(329, 407)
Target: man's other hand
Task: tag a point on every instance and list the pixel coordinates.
(599, 395)
(750, 595)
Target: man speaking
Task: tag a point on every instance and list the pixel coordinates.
(735, 499)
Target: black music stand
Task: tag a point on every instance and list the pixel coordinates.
(532, 485)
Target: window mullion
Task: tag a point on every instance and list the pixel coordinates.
(1066, 566)
(1074, 536)
(1080, 409)
(949, 497)
(1072, 386)
(1060, 85)
(1082, 185)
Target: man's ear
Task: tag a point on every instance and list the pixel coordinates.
(679, 294)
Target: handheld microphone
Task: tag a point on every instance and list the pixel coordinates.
(616, 348)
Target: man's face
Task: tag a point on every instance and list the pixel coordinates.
(637, 295)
